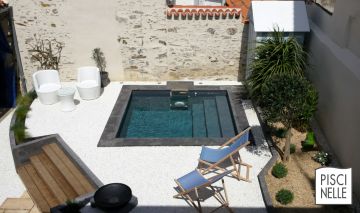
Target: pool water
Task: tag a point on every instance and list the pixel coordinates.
(166, 114)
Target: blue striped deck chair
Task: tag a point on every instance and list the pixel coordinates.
(194, 181)
(212, 159)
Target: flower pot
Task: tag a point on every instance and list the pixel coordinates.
(104, 76)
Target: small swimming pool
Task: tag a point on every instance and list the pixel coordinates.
(159, 115)
(178, 114)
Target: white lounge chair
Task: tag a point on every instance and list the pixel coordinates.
(88, 82)
(46, 84)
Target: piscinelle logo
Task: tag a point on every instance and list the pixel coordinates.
(333, 186)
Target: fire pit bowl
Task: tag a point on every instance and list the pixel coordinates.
(112, 195)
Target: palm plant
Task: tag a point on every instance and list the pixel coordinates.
(276, 55)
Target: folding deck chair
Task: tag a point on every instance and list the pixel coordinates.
(194, 181)
(213, 158)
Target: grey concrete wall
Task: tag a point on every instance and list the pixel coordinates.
(342, 26)
(139, 41)
(334, 69)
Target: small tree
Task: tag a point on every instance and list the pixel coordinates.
(275, 55)
(99, 59)
(46, 52)
(291, 100)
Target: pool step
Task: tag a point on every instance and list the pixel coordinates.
(198, 115)
(212, 119)
(226, 123)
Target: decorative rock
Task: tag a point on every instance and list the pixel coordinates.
(211, 31)
(231, 31)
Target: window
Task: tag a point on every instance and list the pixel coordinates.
(327, 5)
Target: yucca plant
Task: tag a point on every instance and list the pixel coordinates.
(275, 55)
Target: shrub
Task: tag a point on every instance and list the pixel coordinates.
(292, 148)
(280, 133)
(323, 158)
(275, 55)
(309, 142)
(72, 207)
(290, 99)
(19, 130)
(279, 170)
(23, 107)
(284, 196)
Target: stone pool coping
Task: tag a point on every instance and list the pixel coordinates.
(109, 135)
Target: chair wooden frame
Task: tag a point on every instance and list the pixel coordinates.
(236, 161)
(222, 199)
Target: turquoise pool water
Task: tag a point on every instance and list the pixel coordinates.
(166, 114)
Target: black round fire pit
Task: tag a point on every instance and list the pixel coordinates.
(112, 195)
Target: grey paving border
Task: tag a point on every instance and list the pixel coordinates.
(109, 139)
(261, 176)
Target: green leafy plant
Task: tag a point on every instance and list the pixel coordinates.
(275, 55)
(99, 59)
(72, 207)
(19, 130)
(22, 109)
(279, 170)
(323, 158)
(292, 148)
(291, 100)
(280, 133)
(309, 142)
(284, 196)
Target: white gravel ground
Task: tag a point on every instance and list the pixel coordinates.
(10, 183)
(149, 171)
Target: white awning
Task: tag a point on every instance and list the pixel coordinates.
(289, 16)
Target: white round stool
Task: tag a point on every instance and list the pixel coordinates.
(66, 97)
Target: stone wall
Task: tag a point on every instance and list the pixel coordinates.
(139, 41)
(160, 47)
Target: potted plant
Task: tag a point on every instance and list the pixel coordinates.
(70, 206)
(100, 61)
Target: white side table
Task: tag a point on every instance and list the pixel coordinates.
(66, 97)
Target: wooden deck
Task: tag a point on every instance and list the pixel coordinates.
(22, 204)
(51, 178)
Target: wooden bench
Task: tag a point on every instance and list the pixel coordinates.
(52, 178)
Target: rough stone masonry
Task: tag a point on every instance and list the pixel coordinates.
(140, 42)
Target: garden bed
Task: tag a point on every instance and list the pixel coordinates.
(301, 175)
(300, 179)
